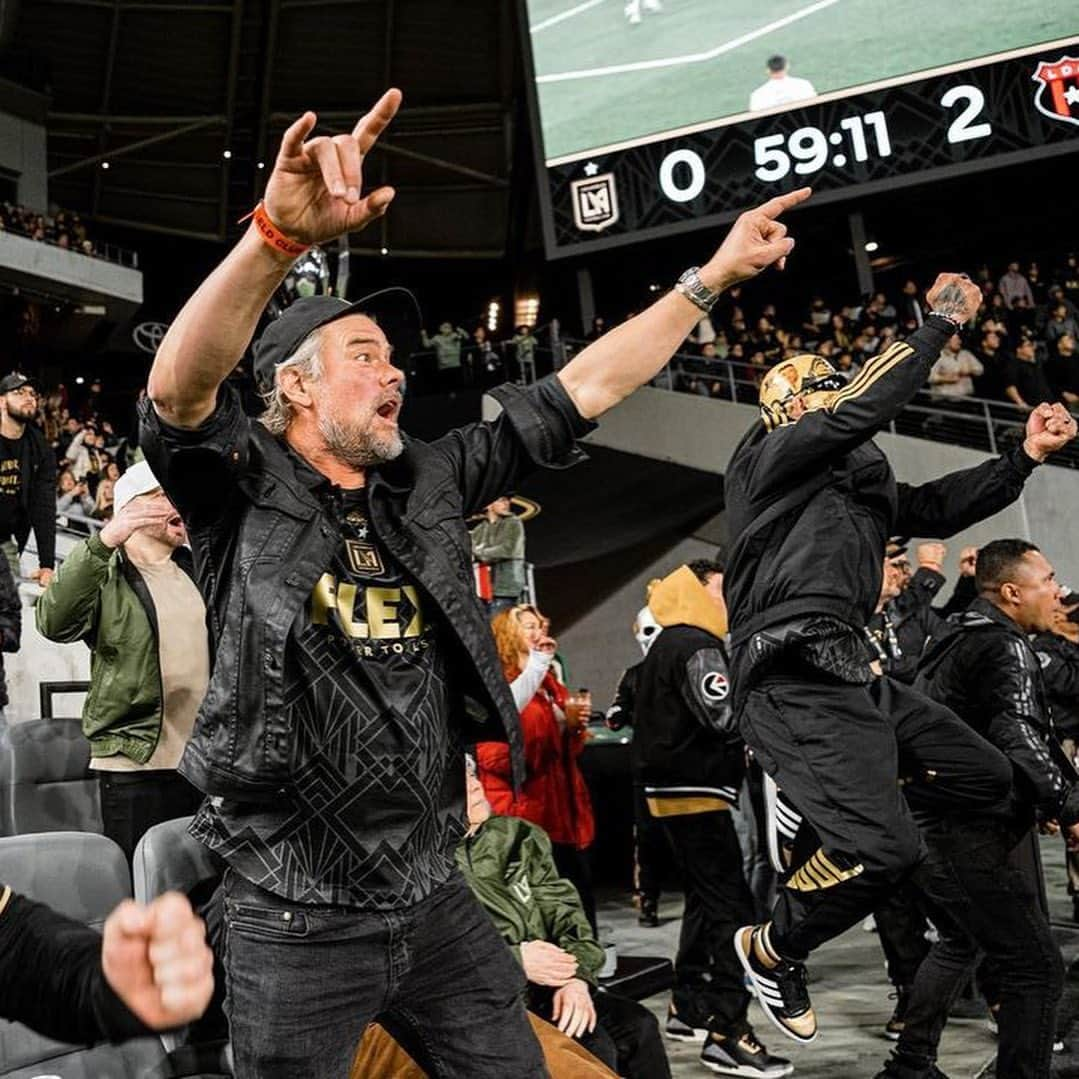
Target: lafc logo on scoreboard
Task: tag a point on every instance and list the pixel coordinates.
(595, 202)
(1057, 95)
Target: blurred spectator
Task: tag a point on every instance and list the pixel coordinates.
(508, 863)
(524, 352)
(484, 363)
(1060, 324)
(128, 592)
(910, 310)
(27, 479)
(499, 541)
(954, 371)
(103, 500)
(1038, 286)
(1025, 382)
(72, 496)
(554, 727)
(447, 345)
(1014, 286)
(1065, 371)
(599, 328)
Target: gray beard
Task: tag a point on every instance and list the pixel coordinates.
(356, 446)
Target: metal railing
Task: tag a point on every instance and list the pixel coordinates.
(971, 422)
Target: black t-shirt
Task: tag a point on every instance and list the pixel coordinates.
(10, 484)
(376, 804)
(1029, 379)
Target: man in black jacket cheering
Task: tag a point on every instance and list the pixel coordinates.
(352, 659)
(983, 876)
(811, 502)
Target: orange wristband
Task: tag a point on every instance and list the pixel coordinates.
(272, 234)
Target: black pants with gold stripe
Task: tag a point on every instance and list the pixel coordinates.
(851, 758)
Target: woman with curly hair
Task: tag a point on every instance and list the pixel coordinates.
(554, 726)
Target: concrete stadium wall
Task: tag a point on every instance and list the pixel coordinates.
(702, 433)
(22, 151)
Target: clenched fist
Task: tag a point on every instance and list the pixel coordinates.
(1049, 429)
(955, 296)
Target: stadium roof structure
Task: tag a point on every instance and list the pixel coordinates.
(162, 110)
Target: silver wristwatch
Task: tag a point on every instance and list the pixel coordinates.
(695, 290)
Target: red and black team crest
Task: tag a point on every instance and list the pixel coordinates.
(1057, 95)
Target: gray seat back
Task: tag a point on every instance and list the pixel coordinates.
(167, 859)
(45, 781)
(83, 876)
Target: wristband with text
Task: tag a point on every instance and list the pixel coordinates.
(272, 235)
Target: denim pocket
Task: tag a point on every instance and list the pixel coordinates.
(268, 922)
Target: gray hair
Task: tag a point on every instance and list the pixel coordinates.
(307, 359)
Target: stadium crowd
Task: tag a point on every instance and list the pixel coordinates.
(1020, 348)
(64, 228)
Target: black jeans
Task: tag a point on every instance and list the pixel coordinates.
(984, 893)
(626, 1037)
(133, 802)
(902, 926)
(303, 982)
(838, 751)
(709, 985)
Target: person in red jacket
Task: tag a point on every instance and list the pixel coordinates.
(554, 725)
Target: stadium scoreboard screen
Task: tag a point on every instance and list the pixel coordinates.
(662, 116)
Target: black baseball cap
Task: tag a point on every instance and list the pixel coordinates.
(14, 381)
(394, 309)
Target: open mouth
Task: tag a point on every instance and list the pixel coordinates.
(175, 521)
(389, 410)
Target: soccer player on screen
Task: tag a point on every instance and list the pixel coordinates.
(782, 87)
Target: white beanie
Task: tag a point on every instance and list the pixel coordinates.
(137, 480)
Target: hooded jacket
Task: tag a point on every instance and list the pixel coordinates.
(687, 757)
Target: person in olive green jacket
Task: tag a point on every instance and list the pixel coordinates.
(128, 593)
(507, 862)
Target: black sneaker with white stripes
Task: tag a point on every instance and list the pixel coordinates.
(779, 984)
(740, 1054)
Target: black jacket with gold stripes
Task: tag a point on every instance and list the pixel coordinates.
(811, 504)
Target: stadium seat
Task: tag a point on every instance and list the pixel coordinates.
(83, 876)
(167, 859)
(45, 781)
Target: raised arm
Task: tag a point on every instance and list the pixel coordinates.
(947, 505)
(314, 195)
(611, 368)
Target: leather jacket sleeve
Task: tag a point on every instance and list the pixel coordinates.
(944, 506)
(1004, 682)
(10, 613)
(199, 467)
(706, 690)
(538, 428)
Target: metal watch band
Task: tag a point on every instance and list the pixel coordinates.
(695, 290)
